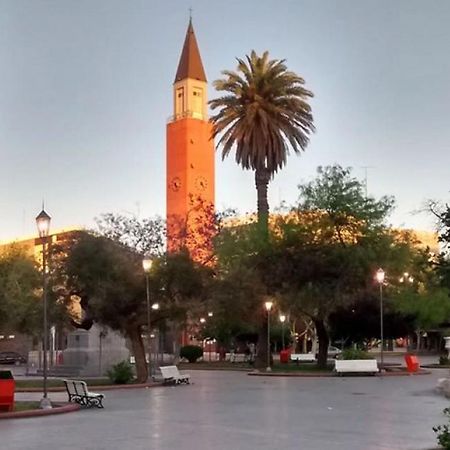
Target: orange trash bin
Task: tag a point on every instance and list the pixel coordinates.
(412, 363)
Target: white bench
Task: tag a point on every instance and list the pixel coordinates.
(78, 393)
(303, 357)
(356, 366)
(171, 374)
(237, 357)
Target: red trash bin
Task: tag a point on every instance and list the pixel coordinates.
(7, 388)
(412, 363)
(284, 356)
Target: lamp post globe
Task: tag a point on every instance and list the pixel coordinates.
(43, 226)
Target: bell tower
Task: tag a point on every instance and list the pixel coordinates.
(190, 157)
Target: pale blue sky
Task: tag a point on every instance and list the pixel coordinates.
(86, 88)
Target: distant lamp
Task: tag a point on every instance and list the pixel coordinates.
(155, 306)
(379, 276)
(202, 320)
(210, 314)
(282, 318)
(268, 306)
(147, 264)
(43, 223)
(406, 277)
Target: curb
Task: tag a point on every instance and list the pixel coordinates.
(59, 408)
(333, 375)
(106, 387)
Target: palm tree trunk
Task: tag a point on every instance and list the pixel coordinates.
(262, 178)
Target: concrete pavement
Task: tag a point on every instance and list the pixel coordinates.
(224, 410)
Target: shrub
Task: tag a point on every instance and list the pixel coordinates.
(121, 373)
(6, 375)
(191, 352)
(355, 353)
(443, 432)
(443, 360)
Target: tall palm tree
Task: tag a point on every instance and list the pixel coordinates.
(263, 114)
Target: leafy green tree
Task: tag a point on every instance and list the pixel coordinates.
(145, 236)
(239, 291)
(263, 113)
(20, 293)
(443, 260)
(424, 294)
(329, 247)
(108, 278)
(360, 322)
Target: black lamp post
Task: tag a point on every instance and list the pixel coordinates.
(282, 320)
(379, 276)
(147, 266)
(268, 305)
(43, 226)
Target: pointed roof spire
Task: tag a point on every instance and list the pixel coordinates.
(190, 65)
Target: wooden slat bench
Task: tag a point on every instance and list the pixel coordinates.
(356, 366)
(78, 393)
(171, 375)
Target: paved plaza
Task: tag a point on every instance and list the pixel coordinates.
(223, 410)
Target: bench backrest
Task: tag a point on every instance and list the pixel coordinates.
(76, 387)
(356, 365)
(302, 357)
(169, 371)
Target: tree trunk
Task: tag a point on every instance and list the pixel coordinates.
(137, 346)
(324, 341)
(262, 177)
(261, 354)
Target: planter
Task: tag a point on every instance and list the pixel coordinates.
(7, 388)
(356, 366)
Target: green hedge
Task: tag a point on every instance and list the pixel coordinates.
(191, 352)
(355, 353)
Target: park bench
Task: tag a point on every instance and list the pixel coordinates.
(237, 357)
(171, 375)
(78, 393)
(302, 357)
(356, 366)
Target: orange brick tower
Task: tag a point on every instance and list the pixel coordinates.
(190, 158)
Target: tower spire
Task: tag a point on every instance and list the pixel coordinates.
(190, 65)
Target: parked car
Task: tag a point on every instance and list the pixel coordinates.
(333, 352)
(11, 358)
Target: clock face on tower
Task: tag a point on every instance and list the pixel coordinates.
(175, 184)
(201, 183)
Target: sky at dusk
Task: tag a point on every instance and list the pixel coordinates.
(86, 90)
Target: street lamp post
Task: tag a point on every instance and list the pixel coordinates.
(268, 306)
(43, 226)
(282, 320)
(147, 266)
(380, 279)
